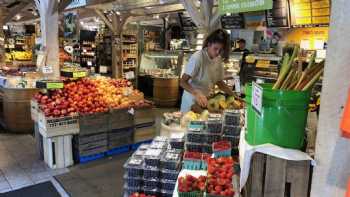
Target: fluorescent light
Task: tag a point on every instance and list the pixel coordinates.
(5, 27)
(17, 17)
(118, 13)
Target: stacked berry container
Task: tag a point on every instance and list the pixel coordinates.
(232, 128)
(133, 175)
(171, 165)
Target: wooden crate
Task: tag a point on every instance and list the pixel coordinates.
(120, 118)
(58, 151)
(145, 133)
(34, 107)
(144, 116)
(93, 123)
(274, 177)
(50, 127)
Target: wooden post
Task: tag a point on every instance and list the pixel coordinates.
(206, 18)
(49, 34)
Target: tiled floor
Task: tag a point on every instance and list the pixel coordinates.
(20, 165)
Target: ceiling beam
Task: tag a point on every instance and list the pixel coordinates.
(13, 12)
(104, 19)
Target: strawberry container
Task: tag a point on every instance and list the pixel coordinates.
(196, 137)
(169, 174)
(133, 181)
(171, 160)
(152, 157)
(134, 167)
(204, 160)
(222, 149)
(151, 173)
(193, 147)
(191, 194)
(231, 130)
(212, 195)
(167, 184)
(232, 117)
(192, 160)
(151, 191)
(151, 183)
(166, 193)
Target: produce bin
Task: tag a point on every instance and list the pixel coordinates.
(282, 120)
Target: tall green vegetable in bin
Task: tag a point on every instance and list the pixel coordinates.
(285, 68)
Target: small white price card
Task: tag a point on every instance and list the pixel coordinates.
(237, 82)
(89, 63)
(130, 75)
(47, 69)
(257, 96)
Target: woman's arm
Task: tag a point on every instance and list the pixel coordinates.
(198, 95)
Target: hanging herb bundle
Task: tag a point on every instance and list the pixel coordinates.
(293, 77)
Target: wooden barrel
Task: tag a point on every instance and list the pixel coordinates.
(16, 110)
(166, 91)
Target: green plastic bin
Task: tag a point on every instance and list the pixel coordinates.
(283, 118)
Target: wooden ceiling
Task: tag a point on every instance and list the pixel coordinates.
(17, 10)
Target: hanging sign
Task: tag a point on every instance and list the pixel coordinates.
(238, 6)
(76, 4)
(257, 96)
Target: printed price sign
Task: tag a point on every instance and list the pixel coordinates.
(47, 69)
(79, 74)
(237, 82)
(54, 85)
(257, 96)
(89, 63)
(130, 75)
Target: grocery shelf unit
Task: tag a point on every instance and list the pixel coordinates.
(88, 50)
(265, 68)
(104, 54)
(130, 56)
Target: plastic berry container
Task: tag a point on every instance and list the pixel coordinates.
(196, 126)
(167, 184)
(152, 157)
(133, 181)
(134, 167)
(160, 139)
(232, 117)
(158, 145)
(166, 193)
(151, 173)
(196, 137)
(139, 153)
(193, 147)
(151, 183)
(210, 138)
(233, 139)
(214, 126)
(231, 130)
(171, 161)
(169, 174)
(130, 190)
(143, 147)
(151, 191)
(207, 149)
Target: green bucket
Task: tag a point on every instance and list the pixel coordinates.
(282, 120)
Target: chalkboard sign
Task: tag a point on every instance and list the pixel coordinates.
(187, 23)
(278, 16)
(232, 22)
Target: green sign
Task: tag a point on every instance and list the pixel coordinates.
(237, 6)
(54, 85)
(79, 74)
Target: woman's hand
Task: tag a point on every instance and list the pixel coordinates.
(200, 98)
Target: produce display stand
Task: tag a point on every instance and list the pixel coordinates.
(269, 176)
(16, 110)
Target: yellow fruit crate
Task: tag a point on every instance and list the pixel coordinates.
(303, 21)
(320, 20)
(320, 4)
(320, 12)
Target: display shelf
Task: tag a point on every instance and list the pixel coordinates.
(130, 55)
